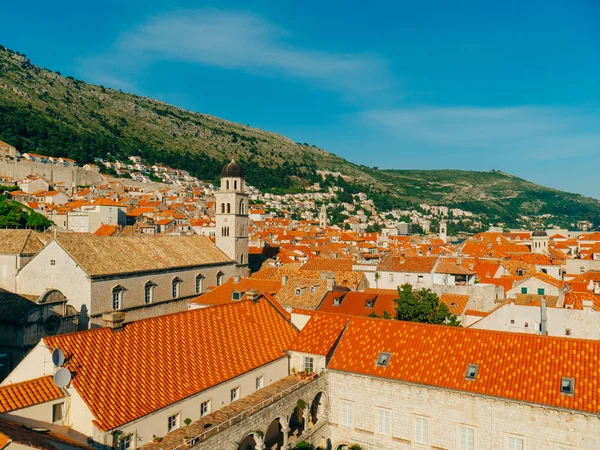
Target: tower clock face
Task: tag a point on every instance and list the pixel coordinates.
(52, 324)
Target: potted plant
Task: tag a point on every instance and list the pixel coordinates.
(156, 438)
(187, 423)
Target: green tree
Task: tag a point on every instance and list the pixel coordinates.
(422, 306)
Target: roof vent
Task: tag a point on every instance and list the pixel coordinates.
(472, 370)
(253, 295)
(383, 359)
(567, 386)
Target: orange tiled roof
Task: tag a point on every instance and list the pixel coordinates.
(456, 303)
(223, 294)
(28, 393)
(417, 264)
(355, 303)
(106, 230)
(329, 264)
(319, 334)
(153, 363)
(517, 366)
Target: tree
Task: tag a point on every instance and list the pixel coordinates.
(422, 306)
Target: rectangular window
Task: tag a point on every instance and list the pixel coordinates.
(406, 279)
(148, 293)
(515, 443)
(52, 262)
(175, 289)
(421, 430)
(260, 382)
(172, 422)
(420, 279)
(541, 291)
(523, 290)
(116, 298)
(467, 438)
(384, 422)
(308, 364)
(204, 408)
(235, 394)
(347, 413)
(125, 442)
(391, 277)
(58, 412)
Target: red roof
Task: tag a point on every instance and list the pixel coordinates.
(28, 393)
(320, 334)
(521, 367)
(153, 363)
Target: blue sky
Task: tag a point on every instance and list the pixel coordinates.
(508, 85)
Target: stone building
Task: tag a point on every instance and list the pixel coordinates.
(139, 276)
(17, 248)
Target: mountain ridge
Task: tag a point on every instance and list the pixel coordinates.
(45, 112)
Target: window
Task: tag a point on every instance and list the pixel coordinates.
(472, 370)
(391, 277)
(199, 280)
(369, 303)
(298, 291)
(58, 412)
(384, 421)
(514, 443)
(52, 262)
(125, 442)
(420, 279)
(567, 386)
(220, 278)
(227, 184)
(421, 430)
(260, 383)
(383, 359)
(524, 290)
(308, 364)
(347, 414)
(337, 301)
(228, 208)
(235, 394)
(172, 422)
(541, 291)
(175, 287)
(241, 206)
(204, 408)
(222, 208)
(567, 332)
(235, 295)
(117, 297)
(148, 292)
(467, 438)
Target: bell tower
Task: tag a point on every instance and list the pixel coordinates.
(323, 217)
(231, 211)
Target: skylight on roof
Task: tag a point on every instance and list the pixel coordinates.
(472, 370)
(383, 359)
(567, 386)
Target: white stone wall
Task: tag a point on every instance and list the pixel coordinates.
(391, 280)
(532, 285)
(8, 272)
(492, 419)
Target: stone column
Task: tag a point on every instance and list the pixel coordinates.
(285, 429)
(306, 415)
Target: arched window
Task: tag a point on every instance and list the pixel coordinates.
(148, 292)
(199, 281)
(228, 208)
(227, 184)
(117, 297)
(234, 184)
(241, 206)
(175, 287)
(220, 278)
(222, 208)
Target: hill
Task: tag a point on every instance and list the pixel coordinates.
(44, 112)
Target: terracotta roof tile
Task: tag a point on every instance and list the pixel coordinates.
(153, 363)
(28, 393)
(319, 334)
(521, 367)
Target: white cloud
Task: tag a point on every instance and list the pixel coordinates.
(535, 132)
(242, 41)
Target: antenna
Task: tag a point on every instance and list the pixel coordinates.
(62, 377)
(58, 357)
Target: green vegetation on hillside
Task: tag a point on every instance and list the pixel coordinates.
(44, 112)
(15, 215)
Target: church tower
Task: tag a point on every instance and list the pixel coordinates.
(323, 217)
(231, 210)
(444, 231)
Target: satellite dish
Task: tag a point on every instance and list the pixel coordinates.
(62, 377)
(58, 357)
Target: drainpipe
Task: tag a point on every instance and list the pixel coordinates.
(544, 318)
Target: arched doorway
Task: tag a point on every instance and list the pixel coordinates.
(318, 408)
(297, 420)
(274, 436)
(248, 443)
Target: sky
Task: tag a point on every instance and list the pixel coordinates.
(510, 85)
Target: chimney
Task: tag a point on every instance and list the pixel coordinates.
(253, 295)
(588, 305)
(544, 320)
(597, 289)
(236, 279)
(330, 282)
(284, 280)
(114, 320)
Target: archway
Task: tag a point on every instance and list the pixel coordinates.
(296, 423)
(248, 443)
(318, 408)
(274, 439)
